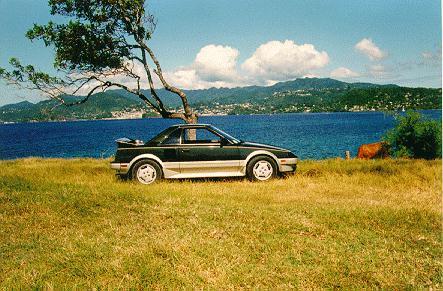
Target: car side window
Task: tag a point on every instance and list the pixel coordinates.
(199, 136)
(172, 138)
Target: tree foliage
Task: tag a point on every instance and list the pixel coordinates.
(99, 40)
(95, 36)
(415, 137)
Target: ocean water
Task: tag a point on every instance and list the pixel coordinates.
(309, 135)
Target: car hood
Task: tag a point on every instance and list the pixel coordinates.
(259, 145)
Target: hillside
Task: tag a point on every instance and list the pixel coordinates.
(300, 95)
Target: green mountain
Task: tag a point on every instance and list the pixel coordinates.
(252, 93)
(300, 95)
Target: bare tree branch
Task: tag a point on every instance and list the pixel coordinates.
(187, 108)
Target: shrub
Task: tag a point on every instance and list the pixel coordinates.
(415, 137)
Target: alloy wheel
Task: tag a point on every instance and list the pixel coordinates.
(263, 170)
(146, 174)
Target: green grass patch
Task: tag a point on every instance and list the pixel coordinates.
(335, 224)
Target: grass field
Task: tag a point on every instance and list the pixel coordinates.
(348, 224)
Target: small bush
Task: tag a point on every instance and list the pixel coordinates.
(415, 137)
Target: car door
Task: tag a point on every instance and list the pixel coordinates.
(166, 149)
(203, 154)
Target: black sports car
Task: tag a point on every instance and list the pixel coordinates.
(196, 151)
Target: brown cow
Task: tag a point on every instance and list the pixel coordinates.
(373, 151)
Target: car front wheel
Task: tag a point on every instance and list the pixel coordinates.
(261, 168)
(146, 172)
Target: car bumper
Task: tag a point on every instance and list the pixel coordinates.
(288, 165)
(121, 168)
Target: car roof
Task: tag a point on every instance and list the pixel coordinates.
(192, 125)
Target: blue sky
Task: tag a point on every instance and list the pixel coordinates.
(205, 43)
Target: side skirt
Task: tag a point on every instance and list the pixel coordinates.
(203, 169)
(206, 175)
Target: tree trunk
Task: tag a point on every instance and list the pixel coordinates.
(188, 116)
(193, 119)
(192, 133)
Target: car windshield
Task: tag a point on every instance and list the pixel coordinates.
(225, 135)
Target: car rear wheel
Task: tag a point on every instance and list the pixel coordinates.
(261, 168)
(146, 172)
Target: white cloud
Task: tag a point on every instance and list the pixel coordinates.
(274, 61)
(217, 66)
(378, 71)
(370, 49)
(187, 78)
(213, 66)
(431, 58)
(184, 78)
(279, 61)
(216, 63)
(427, 55)
(343, 73)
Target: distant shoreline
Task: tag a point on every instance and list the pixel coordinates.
(210, 115)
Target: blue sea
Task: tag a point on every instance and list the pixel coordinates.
(309, 135)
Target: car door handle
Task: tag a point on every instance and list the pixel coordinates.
(185, 150)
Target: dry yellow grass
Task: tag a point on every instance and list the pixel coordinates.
(349, 224)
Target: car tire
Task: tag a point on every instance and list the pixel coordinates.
(122, 177)
(261, 168)
(288, 174)
(146, 172)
